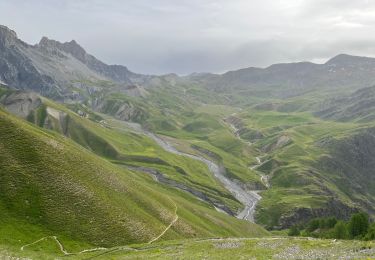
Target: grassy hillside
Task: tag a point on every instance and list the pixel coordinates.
(299, 153)
(52, 186)
(115, 141)
(309, 165)
(203, 132)
(181, 111)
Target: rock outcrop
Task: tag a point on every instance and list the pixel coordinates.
(17, 69)
(21, 103)
(51, 68)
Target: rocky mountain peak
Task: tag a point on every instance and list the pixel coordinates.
(45, 42)
(75, 49)
(71, 47)
(7, 36)
(51, 47)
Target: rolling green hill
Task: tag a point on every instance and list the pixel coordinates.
(314, 167)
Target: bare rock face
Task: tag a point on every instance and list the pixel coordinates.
(25, 104)
(56, 119)
(117, 73)
(17, 69)
(21, 103)
(7, 36)
(50, 68)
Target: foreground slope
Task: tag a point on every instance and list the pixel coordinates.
(219, 248)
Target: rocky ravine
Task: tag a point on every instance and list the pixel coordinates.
(248, 198)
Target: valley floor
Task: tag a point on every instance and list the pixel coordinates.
(218, 248)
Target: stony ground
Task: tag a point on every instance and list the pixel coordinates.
(235, 248)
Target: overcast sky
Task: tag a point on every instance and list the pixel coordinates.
(184, 36)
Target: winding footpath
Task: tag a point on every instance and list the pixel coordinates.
(247, 198)
(61, 247)
(169, 226)
(66, 253)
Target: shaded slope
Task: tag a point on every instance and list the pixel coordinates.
(358, 106)
(350, 164)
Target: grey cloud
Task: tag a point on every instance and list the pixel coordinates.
(162, 36)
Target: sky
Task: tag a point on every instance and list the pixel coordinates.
(185, 36)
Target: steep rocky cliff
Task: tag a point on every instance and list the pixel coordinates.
(18, 70)
(63, 71)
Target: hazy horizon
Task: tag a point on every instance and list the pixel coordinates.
(159, 37)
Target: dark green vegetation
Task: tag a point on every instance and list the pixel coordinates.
(358, 227)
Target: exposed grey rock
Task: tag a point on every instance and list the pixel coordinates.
(56, 116)
(21, 103)
(7, 37)
(116, 73)
(17, 69)
(51, 68)
(202, 196)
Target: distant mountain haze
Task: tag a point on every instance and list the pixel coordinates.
(48, 67)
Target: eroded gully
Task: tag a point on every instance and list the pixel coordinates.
(247, 198)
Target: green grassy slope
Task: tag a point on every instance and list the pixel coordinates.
(52, 186)
(195, 116)
(306, 160)
(290, 141)
(113, 140)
